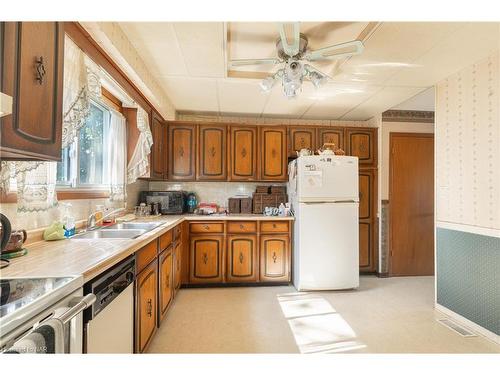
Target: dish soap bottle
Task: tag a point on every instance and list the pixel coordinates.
(68, 221)
(191, 202)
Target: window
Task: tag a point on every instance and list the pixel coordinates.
(85, 162)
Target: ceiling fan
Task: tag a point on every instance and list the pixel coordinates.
(293, 53)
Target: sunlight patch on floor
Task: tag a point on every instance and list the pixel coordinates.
(316, 326)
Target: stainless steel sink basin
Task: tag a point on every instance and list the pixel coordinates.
(110, 233)
(122, 226)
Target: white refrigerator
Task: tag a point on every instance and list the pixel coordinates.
(324, 197)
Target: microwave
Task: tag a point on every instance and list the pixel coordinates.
(171, 202)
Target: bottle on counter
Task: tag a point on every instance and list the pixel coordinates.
(68, 220)
(281, 210)
(191, 202)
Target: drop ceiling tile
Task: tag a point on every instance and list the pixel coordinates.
(157, 45)
(202, 45)
(381, 101)
(241, 96)
(278, 104)
(192, 94)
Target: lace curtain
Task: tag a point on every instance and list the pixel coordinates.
(117, 156)
(138, 165)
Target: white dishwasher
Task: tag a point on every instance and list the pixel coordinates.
(109, 323)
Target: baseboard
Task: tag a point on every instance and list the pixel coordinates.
(469, 324)
(382, 274)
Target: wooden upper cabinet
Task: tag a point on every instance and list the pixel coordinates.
(242, 264)
(211, 152)
(31, 71)
(159, 150)
(146, 305)
(273, 153)
(363, 144)
(299, 138)
(182, 151)
(330, 135)
(206, 259)
(243, 153)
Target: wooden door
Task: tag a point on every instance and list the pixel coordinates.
(330, 135)
(158, 154)
(182, 151)
(31, 71)
(146, 305)
(242, 258)
(273, 153)
(212, 150)
(177, 264)
(411, 204)
(300, 137)
(274, 258)
(362, 142)
(243, 153)
(206, 259)
(165, 279)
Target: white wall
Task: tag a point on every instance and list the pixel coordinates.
(468, 146)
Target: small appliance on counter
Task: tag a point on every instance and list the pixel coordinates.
(170, 202)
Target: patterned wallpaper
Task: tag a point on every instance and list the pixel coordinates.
(468, 146)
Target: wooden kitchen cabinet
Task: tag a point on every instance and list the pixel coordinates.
(366, 246)
(165, 281)
(242, 153)
(182, 151)
(31, 71)
(159, 153)
(273, 153)
(362, 142)
(206, 254)
(242, 264)
(274, 257)
(330, 135)
(146, 305)
(367, 197)
(212, 150)
(177, 265)
(368, 241)
(300, 137)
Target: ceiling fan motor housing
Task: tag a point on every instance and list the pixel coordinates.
(302, 48)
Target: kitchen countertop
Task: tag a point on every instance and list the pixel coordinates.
(91, 257)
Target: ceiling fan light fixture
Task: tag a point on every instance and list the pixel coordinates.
(317, 79)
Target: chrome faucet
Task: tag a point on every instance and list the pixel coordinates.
(92, 222)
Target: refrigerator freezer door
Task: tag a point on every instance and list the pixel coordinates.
(327, 247)
(327, 178)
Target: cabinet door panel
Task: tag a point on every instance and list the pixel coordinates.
(158, 159)
(243, 153)
(362, 143)
(241, 258)
(182, 146)
(274, 258)
(273, 154)
(330, 135)
(365, 244)
(206, 259)
(212, 152)
(146, 305)
(299, 138)
(166, 287)
(366, 194)
(32, 73)
(177, 265)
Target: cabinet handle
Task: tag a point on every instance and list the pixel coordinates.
(40, 69)
(181, 151)
(242, 226)
(274, 225)
(167, 284)
(212, 152)
(273, 153)
(243, 152)
(206, 227)
(275, 258)
(150, 307)
(205, 258)
(241, 258)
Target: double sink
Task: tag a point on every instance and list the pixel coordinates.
(118, 231)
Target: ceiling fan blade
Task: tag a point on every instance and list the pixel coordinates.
(337, 51)
(242, 62)
(290, 40)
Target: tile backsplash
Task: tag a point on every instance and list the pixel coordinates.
(211, 192)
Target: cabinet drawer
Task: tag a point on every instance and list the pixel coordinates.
(146, 255)
(166, 240)
(206, 227)
(274, 226)
(242, 227)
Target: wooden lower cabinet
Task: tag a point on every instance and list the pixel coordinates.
(146, 305)
(242, 264)
(177, 266)
(165, 281)
(206, 254)
(274, 257)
